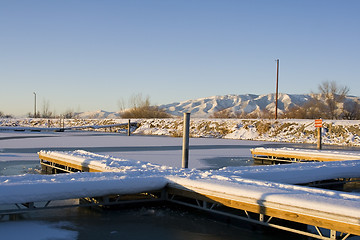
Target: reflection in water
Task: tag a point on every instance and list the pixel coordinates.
(220, 162)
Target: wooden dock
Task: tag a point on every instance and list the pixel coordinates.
(261, 211)
(290, 155)
(277, 207)
(51, 164)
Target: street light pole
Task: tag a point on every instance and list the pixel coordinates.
(34, 104)
(277, 87)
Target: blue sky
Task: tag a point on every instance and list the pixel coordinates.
(89, 55)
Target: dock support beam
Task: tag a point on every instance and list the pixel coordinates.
(186, 133)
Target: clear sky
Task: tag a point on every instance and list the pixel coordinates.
(85, 55)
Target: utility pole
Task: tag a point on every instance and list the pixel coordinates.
(34, 104)
(277, 87)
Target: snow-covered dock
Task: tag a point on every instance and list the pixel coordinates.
(260, 194)
(62, 129)
(300, 155)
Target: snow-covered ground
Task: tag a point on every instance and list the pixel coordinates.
(334, 132)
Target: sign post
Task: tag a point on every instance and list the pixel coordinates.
(318, 125)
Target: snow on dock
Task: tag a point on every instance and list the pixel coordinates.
(299, 155)
(37, 188)
(60, 129)
(286, 173)
(278, 198)
(263, 190)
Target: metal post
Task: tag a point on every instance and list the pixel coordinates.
(277, 88)
(128, 130)
(34, 104)
(185, 149)
(319, 138)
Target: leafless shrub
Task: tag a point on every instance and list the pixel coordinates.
(141, 108)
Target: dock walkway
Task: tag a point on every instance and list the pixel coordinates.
(275, 155)
(229, 193)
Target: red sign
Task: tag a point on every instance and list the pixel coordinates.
(318, 123)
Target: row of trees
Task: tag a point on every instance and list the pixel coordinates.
(329, 103)
(47, 114)
(3, 115)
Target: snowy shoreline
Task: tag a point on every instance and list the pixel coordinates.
(334, 132)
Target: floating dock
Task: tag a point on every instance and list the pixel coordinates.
(118, 181)
(291, 155)
(58, 163)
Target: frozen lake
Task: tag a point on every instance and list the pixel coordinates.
(204, 152)
(18, 155)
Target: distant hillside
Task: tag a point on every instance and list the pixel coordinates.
(205, 107)
(96, 115)
(249, 103)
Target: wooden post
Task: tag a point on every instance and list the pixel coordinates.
(128, 130)
(185, 148)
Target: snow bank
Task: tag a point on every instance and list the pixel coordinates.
(336, 132)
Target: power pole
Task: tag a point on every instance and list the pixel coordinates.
(34, 104)
(277, 87)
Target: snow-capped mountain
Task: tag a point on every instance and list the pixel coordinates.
(249, 103)
(205, 107)
(97, 115)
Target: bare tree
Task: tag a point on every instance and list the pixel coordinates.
(46, 110)
(331, 99)
(141, 108)
(68, 114)
(351, 110)
(309, 110)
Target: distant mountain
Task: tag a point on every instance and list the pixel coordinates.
(248, 103)
(205, 107)
(97, 115)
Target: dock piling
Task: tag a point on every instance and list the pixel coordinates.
(186, 133)
(128, 130)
